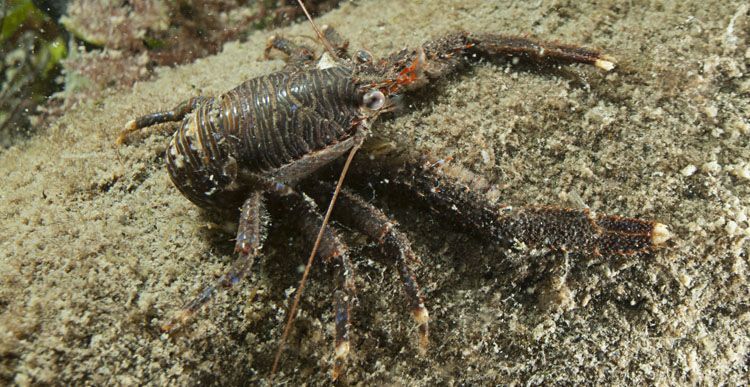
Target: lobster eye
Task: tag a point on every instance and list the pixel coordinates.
(373, 100)
(362, 56)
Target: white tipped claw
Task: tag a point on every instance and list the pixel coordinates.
(605, 63)
(660, 234)
(129, 128)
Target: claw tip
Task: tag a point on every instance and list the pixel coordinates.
(130, 126)
(660, 234)
(166, 327)
(605, 64)
(421, 315)
(342, 350)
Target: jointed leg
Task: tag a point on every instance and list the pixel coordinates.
(577, 230)
(340, 46)
(176, 114)
(297, 55)
(440, 57)
(463, 197)
(570, 229)
(250, 236)
(331, 249)
(491, 45)
(394, 245)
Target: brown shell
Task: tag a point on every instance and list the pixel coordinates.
(230, 143)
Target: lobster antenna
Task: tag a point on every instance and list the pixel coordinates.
(322, 37)
(310, 259)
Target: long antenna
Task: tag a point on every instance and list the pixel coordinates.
(322, 37)
(316, 245)
(310, 259)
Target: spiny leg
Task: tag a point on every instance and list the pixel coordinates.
(412, 69)
(297, 55)
(570, 229)
(492, 46)
(467, 199)
(339, 44)
(469, 46)
(251, 233)
(331, 249)
(578, 230)
(353, 210)
(176, 114)
(301, 55)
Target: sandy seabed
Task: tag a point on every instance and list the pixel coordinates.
(97, 247)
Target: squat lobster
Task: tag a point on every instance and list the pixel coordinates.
(263, 140)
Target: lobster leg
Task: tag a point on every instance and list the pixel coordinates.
(297, 55)
(250, 236)
(339, 44)
(176, 114)
(462, 197)
(300, 55)
(491, 46)
(331, 249)
(412, 69)
(353, 210)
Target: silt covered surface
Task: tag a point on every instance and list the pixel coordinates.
(98, 248)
